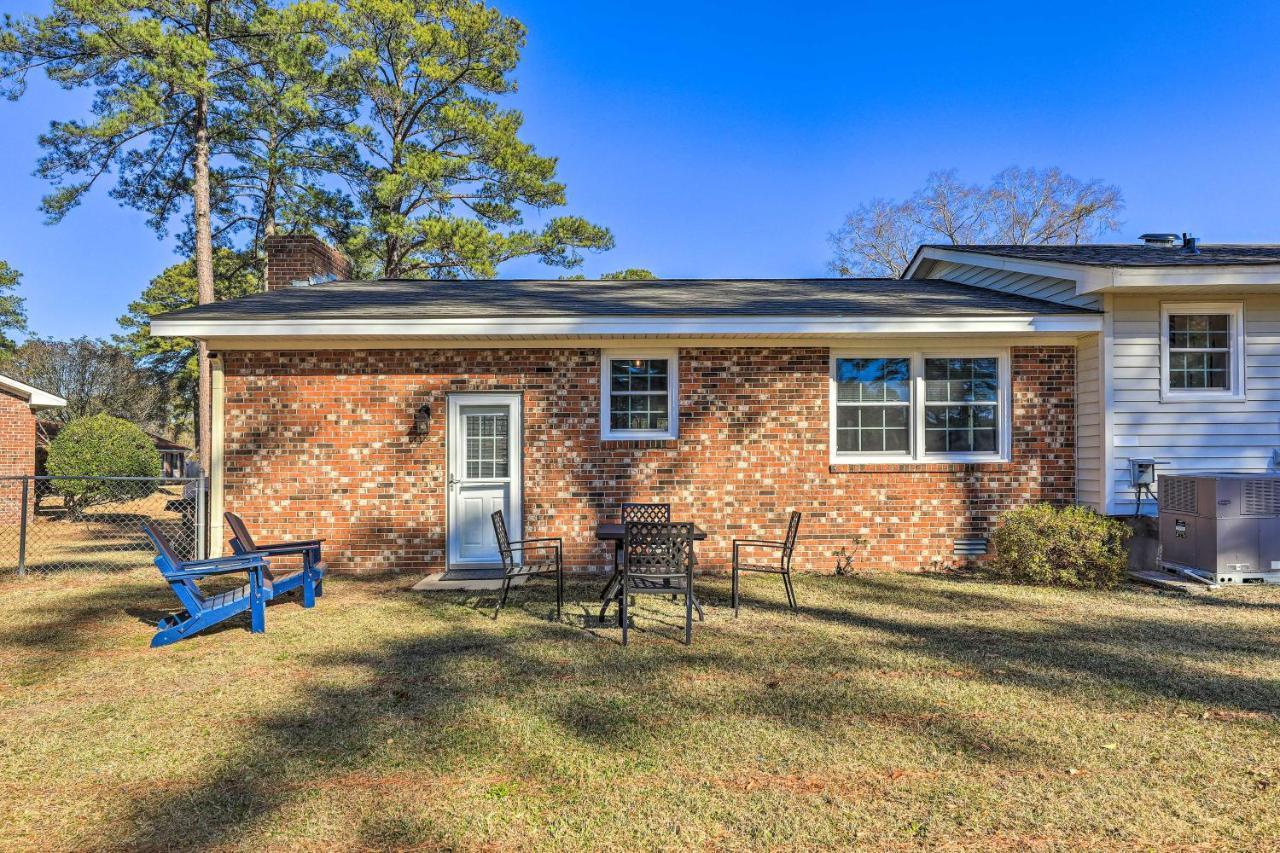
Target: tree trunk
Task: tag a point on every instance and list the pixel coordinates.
(204, 268)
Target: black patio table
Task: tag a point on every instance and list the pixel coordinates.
(615, 532)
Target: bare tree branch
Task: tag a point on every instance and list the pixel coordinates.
(1018, 207)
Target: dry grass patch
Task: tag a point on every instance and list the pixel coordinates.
(895, 711)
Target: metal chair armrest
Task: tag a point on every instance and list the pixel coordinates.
(547, 542)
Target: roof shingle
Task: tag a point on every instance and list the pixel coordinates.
(1130, 255)
(418, 299)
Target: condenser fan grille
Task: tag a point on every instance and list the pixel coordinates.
(1261, 497)
(1178, 494)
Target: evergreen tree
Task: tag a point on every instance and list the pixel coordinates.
(165, 74)
(175, 360)
(13, 308)
(438, 169)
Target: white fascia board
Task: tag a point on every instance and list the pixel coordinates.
(1226, 277)
(629, 326)
(36, 398)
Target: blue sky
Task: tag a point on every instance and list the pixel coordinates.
(729, 140)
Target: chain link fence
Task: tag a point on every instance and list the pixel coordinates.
(52, 524)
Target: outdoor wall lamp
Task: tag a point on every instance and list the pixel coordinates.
(421, 421)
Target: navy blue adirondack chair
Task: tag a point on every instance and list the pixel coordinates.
(204, 611)
(310, 578)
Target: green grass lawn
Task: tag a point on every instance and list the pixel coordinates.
(897, 711)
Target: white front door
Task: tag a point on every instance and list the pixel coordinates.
(484, 475)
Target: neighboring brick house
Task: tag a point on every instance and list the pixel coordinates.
(19, 403)
(392, 416)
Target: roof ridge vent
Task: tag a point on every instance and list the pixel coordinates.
(1169, 240)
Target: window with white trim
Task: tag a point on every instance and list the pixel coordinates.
(920, 406)
(873, 405)
(1201, 350)
(962, 405)
(638, 394)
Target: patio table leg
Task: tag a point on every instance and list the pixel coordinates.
(610, 591)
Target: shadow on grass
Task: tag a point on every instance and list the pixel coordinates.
(457, 699)
(449, 700)
(1149, 658)
(55, 636)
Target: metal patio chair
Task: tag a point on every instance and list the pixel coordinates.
(646, 512)
(538, 558)
(782, 565)
(657, 559)
(640, 512)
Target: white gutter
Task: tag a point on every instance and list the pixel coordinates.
(641, 325)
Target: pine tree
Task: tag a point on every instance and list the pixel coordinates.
(438, 168)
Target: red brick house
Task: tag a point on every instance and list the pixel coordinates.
(19, 403)
(392, 416)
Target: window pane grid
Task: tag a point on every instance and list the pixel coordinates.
(638, 395)
(487, 451)
(962, 409)
(873, 405)
(1200, 352)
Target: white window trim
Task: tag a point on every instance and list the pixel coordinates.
(1237, 391)
(1004, 398)
(852, 457)
(673, 395)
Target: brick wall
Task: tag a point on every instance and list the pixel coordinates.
(299, 257)
(318, 443)
(17, 453)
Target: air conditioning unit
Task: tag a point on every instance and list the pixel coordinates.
(1224, 528)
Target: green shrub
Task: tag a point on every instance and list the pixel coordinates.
(1071, 546)
(102, 446)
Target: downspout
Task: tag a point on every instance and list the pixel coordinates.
(217, 433)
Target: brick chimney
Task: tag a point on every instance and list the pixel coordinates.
(301, 259)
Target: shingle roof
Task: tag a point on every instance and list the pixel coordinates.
(417, 299)
(1131, 255)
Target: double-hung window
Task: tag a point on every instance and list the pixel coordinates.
(638, 394)
(1201, 351)
(962, 405)
(920, 406)
(873, 405)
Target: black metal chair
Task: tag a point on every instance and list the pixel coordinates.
(646, 512)
(657, 559)
(539, 558)
(639, 512)
(784, 550)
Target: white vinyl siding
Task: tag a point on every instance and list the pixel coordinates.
(1036, 286)
(1089, 423)
(1191, 435)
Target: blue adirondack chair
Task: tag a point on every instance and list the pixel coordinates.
(310, 578)
(203, 611)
